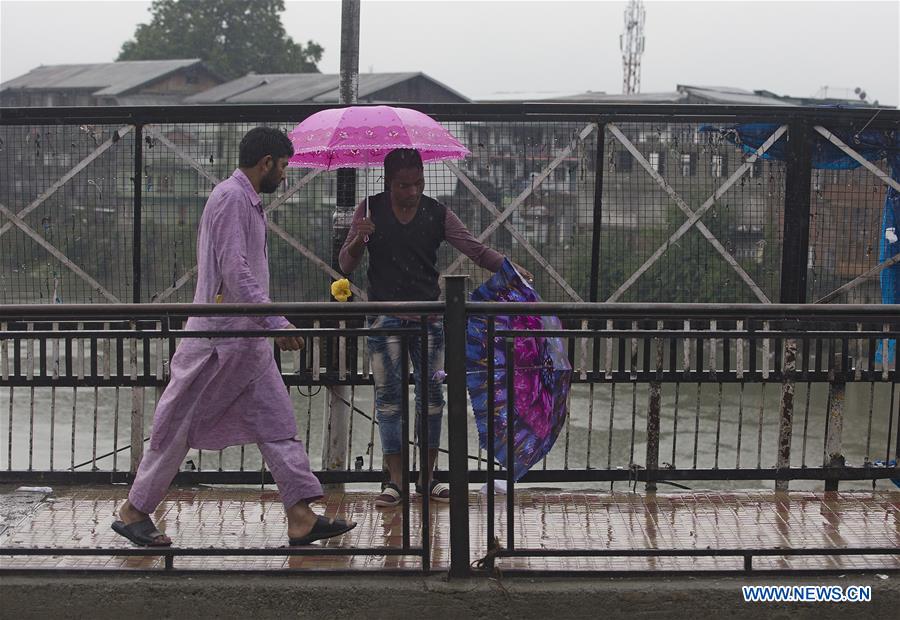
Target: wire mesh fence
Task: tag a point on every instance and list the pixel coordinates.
(70, 188)
(600, 208)
(845, 229)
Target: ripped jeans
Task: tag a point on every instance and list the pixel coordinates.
(384, 355)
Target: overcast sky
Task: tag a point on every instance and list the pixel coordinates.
(482, 48)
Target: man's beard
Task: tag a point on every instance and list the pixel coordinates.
(268, 184)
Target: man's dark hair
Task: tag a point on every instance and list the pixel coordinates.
(262, 141)
(400, 159)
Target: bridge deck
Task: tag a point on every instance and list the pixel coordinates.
(241, 518)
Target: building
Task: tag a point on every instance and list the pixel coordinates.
(132, 82)
(684, 93)
(324, 88)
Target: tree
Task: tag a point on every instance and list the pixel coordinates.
(234, 37)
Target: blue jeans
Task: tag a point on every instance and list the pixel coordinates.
(384, 355)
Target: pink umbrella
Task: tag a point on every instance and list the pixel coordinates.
(361, 136)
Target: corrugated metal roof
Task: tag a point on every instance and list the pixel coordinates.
(369, 84)
(710, 94)
(301, 87)
(110, 78)
(524, 95)
(268, 88)
(150, 99)
(221, 93)
(589, 97)
(286, 88)
(372, 83)
(727, 94)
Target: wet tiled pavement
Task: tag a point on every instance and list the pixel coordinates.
(240, 518)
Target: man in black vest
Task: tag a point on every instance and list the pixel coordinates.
(402, 233)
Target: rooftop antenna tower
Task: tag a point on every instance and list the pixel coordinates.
(631, 42)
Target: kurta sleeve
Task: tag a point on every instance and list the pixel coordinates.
(462, 239)
(229, 231)
(347, 262)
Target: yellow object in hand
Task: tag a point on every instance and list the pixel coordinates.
(340, 289)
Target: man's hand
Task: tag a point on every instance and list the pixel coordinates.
(364, 229)
(529, 277)
(290, 343)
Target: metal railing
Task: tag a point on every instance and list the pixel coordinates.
(702, 370)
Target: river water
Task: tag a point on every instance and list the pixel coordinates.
(102, 424)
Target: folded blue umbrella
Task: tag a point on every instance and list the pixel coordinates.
(542, 379)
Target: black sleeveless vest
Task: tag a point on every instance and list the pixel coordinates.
(403, 257)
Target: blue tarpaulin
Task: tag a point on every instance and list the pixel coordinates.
(872, 145)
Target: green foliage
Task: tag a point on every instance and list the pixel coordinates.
(234, 37)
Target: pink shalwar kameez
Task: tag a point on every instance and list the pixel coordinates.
(227, 391)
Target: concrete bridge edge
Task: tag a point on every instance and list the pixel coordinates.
(307, 596)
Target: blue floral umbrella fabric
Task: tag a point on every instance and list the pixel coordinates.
(542, 377)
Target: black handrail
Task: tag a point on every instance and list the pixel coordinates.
(874, 117)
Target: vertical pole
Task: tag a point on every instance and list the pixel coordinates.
(422, 417)
(794, 263)
(492, 541)
(137, 392)
(596, 227)
(893, 388)
(404, 450)
(795, 251)
(510, 355)
(786, 426)
(349, 87)
(137, 407)
(835, 426)
(136, 219)
(336, 430)
(653, 415)
(348, 94)
(457, 418)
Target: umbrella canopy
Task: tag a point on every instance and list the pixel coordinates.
(361, 136)
(542, 377)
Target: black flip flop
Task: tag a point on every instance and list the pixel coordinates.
(141, 533)
(324, 528)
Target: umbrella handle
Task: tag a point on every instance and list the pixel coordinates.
(368, 214)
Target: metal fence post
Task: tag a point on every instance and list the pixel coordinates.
(137, 407)
(786, 417)
(137, 392)
(653, 411)
(597, 226)
(457, 417)
(136, 215)
(835, 426)
(794, 262)
(798, 176)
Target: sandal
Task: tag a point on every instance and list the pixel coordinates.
(390, 496)
(323, 528)
(141, 533)
(439, 491)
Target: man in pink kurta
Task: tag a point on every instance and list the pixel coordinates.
(228, 391)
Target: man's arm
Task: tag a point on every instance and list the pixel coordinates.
(228, 232)
(463, 240)
(355, 243)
